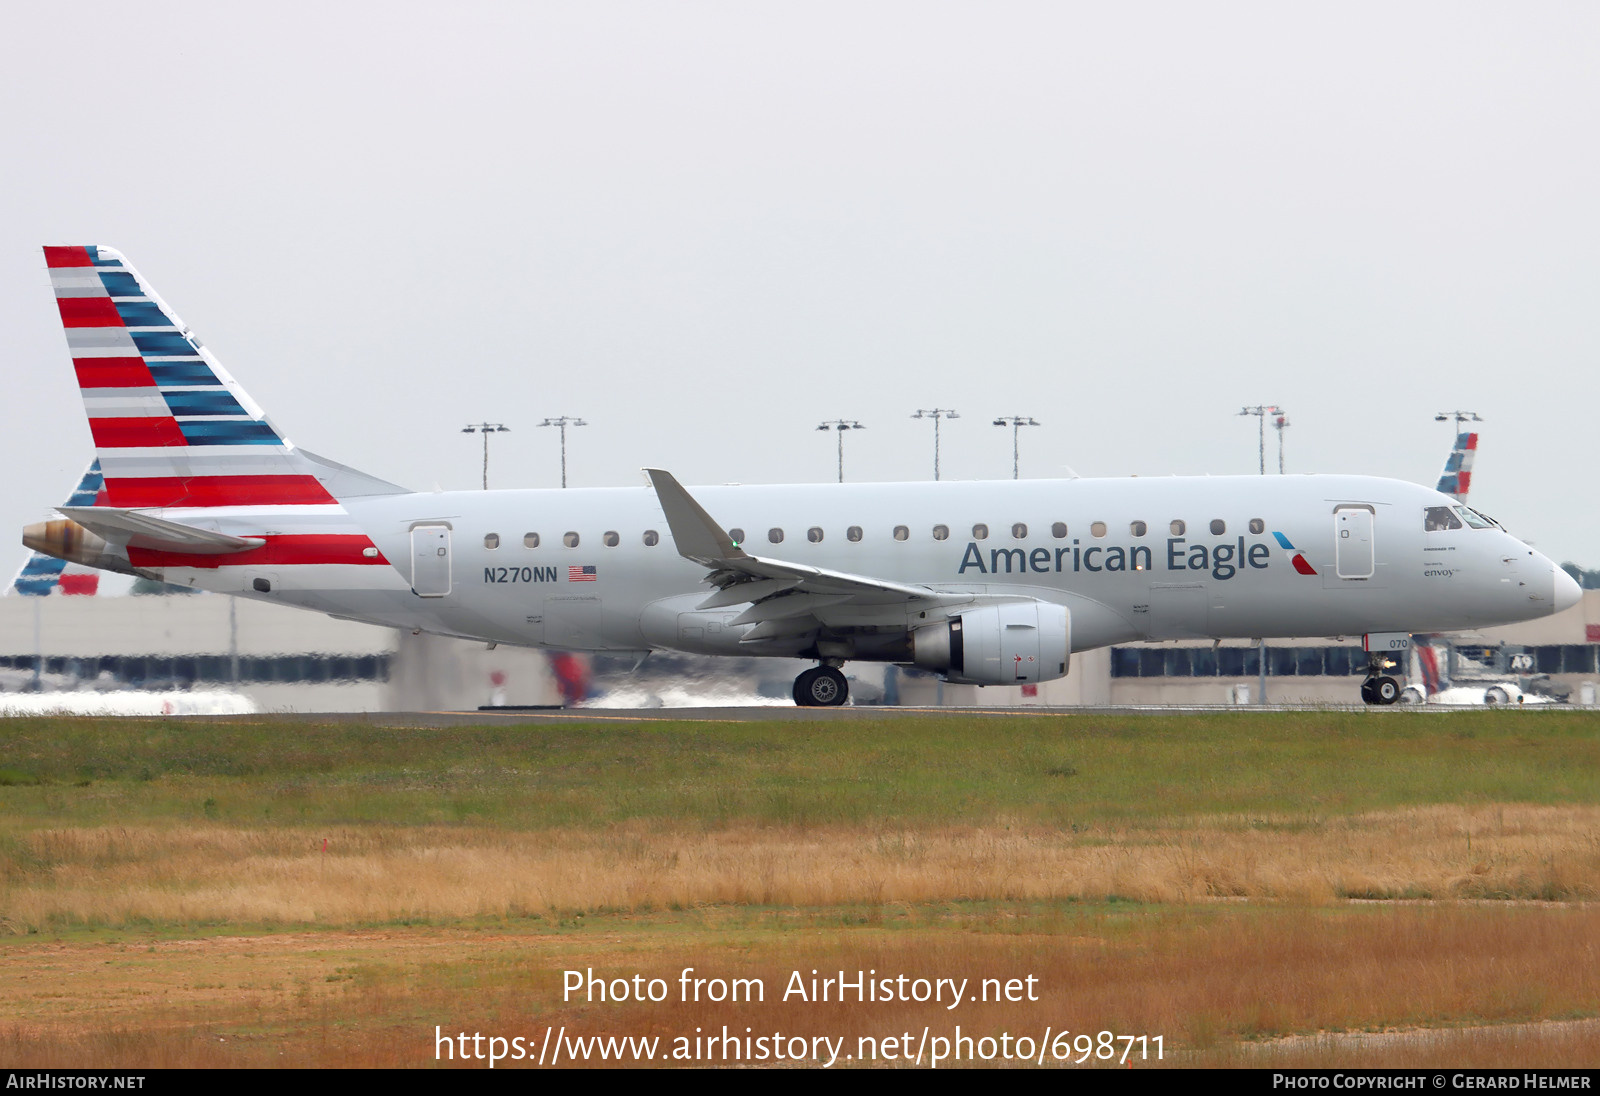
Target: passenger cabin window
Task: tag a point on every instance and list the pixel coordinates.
(1474, 519)
(1019, 531)
(775, 536)
(902, 533)
(941, 532)
(1138, 528)
(1177, 528)
(736, 535)
(530, 540)
(1437, 519)
(1218, 527)
(651, 538)
(492, 540)
(1098, 528)
(570, 539)
(1257, 525)
(853, 533)
(1058, 530)
(610, 539)
(980, 532)
(814, 534)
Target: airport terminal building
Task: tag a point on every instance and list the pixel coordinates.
(285, 659)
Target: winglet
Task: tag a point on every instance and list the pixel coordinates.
(694, 531)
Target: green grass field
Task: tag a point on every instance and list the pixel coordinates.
(262, 891)
(1057, 771)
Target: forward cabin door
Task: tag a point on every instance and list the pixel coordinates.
(430, 560)
(1352, 545)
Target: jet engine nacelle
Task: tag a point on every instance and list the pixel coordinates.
(1012, 643)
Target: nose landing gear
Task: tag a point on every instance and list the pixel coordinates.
(821, 687)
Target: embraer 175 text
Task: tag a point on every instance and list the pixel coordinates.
(984, 583)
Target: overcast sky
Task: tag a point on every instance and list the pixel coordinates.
(707, 227)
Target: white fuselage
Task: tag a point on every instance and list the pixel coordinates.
(1073, 542)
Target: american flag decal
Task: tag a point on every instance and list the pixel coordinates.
(581, 574)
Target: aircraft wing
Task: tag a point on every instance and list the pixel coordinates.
(782, 596)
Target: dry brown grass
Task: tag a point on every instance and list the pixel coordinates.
(1203, 978)
(121, 875)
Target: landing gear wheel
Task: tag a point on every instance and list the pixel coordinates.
(1386, 690)
(821, 687)
(1367, 696)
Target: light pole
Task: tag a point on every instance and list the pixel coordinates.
(563, 422)
(1016, 422)
(1279, 424)
(486, 428)
(841, 425)
(1459, 416)
(936, 414)
(1261, 411)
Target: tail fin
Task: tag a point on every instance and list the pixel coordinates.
(1457, 477)
(171, 427)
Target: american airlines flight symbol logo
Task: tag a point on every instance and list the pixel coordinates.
(1300, 563)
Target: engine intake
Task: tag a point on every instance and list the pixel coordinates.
(1012, 643)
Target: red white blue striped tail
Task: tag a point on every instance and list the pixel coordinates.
(1457, 477)
(171, 427)
(177, 435)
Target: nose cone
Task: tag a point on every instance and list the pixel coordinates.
(1567, 593)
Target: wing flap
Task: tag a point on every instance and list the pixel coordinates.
(739, 593)
(784, 606)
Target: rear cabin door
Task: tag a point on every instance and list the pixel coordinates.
(1352, 546)
(430, 560)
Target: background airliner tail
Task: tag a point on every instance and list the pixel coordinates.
(42, 575)
(171, 427)
(1457, 476)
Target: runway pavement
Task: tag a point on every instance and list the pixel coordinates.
(786, 714)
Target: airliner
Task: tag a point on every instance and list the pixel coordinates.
(983, 583)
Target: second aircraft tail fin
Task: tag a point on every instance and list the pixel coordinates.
(1457, 475)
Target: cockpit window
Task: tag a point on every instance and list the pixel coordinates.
(1437, 519)
(1473, 518)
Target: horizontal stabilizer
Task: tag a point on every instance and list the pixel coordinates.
(141, 530)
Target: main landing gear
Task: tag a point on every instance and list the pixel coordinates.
(821, 687)
(1379, 687)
